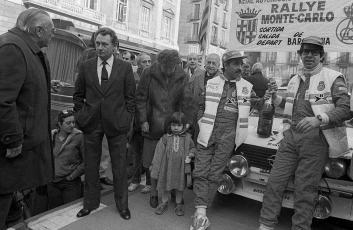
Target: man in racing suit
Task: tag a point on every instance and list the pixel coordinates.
(315, 108)
(223, 125)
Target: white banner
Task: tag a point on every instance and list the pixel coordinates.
(280, 25)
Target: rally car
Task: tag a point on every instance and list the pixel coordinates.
(249, 169)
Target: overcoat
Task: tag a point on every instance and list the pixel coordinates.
(24, 113)
(158, 97)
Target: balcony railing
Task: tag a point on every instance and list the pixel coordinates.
(192, 39)
(120, 25)
(223, 44)
(69, 8)
(214, 41)
(192, 17)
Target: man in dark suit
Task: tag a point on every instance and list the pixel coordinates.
(25, 152)
(104, 102)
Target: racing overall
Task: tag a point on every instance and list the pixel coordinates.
(303, 155)
(223, 125)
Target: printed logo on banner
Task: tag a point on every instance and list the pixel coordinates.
(344, 30)
(247, 25)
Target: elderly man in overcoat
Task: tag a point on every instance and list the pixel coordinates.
(25, 150)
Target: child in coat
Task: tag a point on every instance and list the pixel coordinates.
(171, 158)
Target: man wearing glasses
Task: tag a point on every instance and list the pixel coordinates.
(315, 108)
(25, 153)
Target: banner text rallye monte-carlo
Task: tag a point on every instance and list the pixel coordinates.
(249, 169)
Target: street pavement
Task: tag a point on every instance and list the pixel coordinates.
(228, 212)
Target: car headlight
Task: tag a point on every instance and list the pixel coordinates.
(323, 207)
(226, 186)
(335, 168)
(238, 166)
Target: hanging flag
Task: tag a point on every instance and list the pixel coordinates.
(204, 25)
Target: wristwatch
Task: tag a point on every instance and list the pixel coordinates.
(319, 117)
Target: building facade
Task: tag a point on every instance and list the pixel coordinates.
(283, 65)
(141, 25)
(217, 26)
(9, 10)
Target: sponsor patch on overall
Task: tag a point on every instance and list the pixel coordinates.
(321, 86)
(211, 86)
(245, 90)
(321, 97)
(231, 105)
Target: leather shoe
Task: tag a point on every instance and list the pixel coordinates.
(83, 212)
(106, 181)
(154, 201)
(125, 214)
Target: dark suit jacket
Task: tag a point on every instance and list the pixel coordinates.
(114, 107)
(24, 112)
(259, 83)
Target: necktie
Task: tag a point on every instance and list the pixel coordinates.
(104, 76)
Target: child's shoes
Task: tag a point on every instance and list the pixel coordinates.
(179, 210)
(161, 208)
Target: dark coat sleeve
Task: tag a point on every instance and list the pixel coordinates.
(130, 87)
(142, 95)
(12, 77)
(81, 167)
(189, 104)
(159, 155)
(80, 90)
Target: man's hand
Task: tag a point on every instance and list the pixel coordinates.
(187, 126)
(307, 124)
(13, 152)
(272, 88)
(69, 178)
(267, 95)
(145, 127)
(187, 159)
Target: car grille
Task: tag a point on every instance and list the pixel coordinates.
(257, 156)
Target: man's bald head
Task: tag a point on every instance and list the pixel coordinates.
(212, 63)
(38, 24)
(32, 17)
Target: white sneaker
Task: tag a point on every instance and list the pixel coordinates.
(200, 223)
(132, 187)
(146, 189)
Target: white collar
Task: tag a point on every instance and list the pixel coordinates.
(109, 61)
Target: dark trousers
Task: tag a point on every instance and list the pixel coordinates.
(93, 152)
(63, 192)
(135, 150)
(5, 203)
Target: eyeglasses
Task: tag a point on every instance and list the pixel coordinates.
(313, 52)
(146, 61)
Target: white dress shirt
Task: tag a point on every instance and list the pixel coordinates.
(108, 67)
